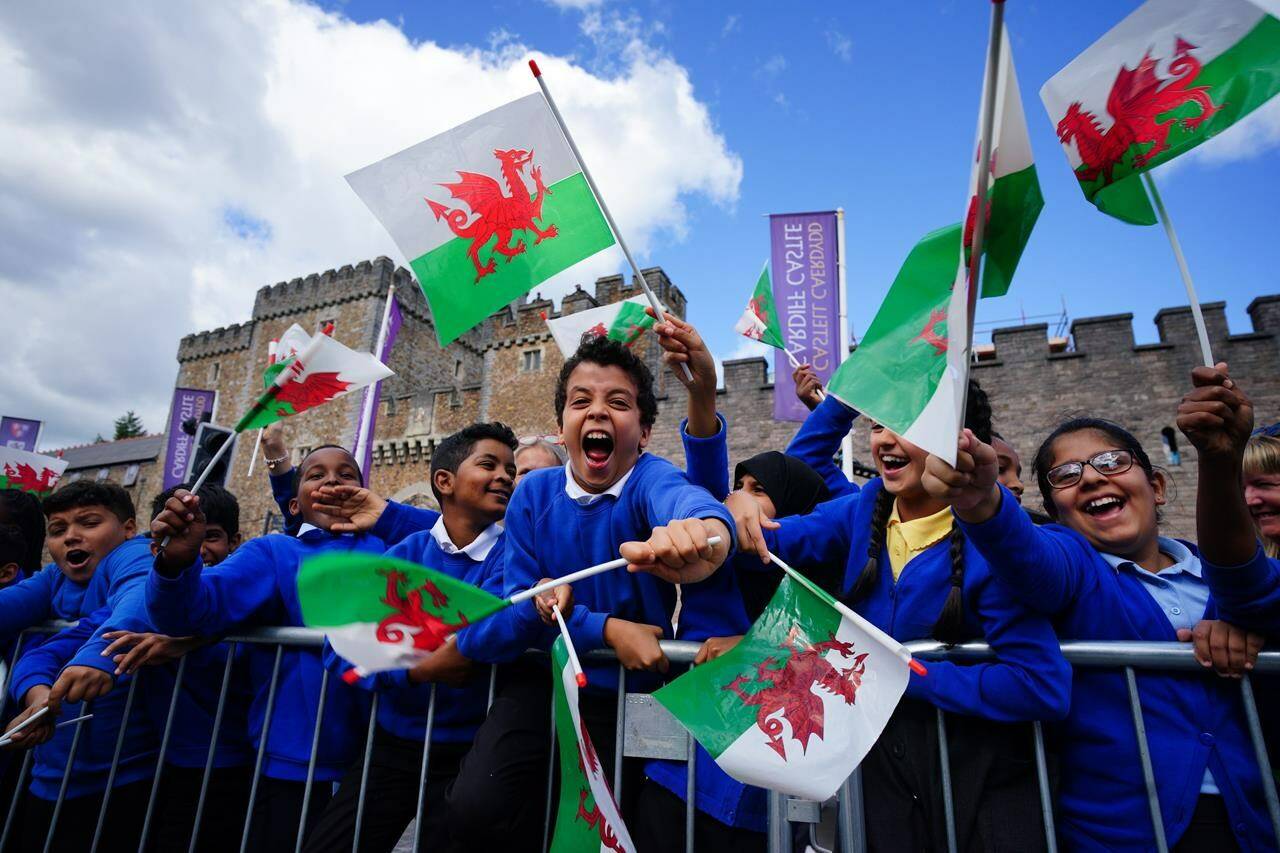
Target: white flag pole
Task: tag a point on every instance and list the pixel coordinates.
(363, 430)
(581, 574)
(846, 443)
(578, 674)
(1205, 350)
(604, 208)
(272, 348)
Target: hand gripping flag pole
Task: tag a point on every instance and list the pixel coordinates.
(8, 736)
(578, 674)
(581, 574)
(604, 208)
(1206, 351)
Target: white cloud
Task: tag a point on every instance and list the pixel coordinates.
(1256, 134)
(183, 156)
(574, 4)
(774, 65)
(841, 45)
(732, 24)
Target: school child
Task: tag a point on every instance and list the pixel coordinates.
(610, 497)
(97, 561)
(535, 452)
(472, 476)
(1262, 488)
(22, 510)
(819, 437)
(257, 585)
(912, 573)
(1104, 572)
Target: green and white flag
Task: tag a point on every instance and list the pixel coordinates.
(907, 371)
(384, 613)
(29, 472)
(622, 321)
(797, 704)
(759, 320)
(587, 818)
(322, 370)
(486, 211)
(1013, 194)
(1165, 79)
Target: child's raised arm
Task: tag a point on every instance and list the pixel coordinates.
(818, 439)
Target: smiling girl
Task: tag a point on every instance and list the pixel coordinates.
(1262, 489)
(1103, 572)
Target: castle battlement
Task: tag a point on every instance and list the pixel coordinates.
(225, 339)
(334, 287)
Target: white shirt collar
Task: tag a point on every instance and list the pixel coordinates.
(305, 527)
(584, 498)
(479, 548)
(1183, 559)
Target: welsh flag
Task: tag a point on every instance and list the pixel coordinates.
(1165, 79)
(759, 320)
(320, 371)
(29, 472)
(587, 818)
(486, 211)
(622, 321)
(384, 613)
(797, 704)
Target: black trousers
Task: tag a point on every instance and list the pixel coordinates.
(278, 811)
(993, 781)
(1209, 830)
(498, 801)
(78, 820)
(391, 800)
(225, 802)
(658, 827)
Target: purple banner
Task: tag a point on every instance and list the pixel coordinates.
(806, 290)
(187, 403)
(19, 432)
(365, 432)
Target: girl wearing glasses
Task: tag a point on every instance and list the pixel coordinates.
(1103, 572)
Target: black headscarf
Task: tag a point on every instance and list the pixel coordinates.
(793, 486)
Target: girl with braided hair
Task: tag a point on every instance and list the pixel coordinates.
(909, 571)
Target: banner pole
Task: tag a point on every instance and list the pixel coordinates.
(604, 208)
(1201, 330)
(846, 444)
(974, 282)
(363, 429)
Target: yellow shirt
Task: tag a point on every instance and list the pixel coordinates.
(906, 539)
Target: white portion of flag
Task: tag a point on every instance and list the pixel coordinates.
(594, 771)
(293, 341)
(1011, 150)
(569, 329)
(12, 458)
(325, 355)
(357, 644)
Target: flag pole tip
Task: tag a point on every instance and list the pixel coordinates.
(917, 667)
(582, 679)
(350, 677)
(533, 66)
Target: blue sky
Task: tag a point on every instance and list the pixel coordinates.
(872, 106)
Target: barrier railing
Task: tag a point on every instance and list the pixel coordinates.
(644, 730)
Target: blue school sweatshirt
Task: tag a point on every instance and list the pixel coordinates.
(257, 585)
(549, 534)
(400, 521)
(402, 704)
(1247, 595)
(1192, 721)
(1029, 681)
(49, 594)
(818, 440)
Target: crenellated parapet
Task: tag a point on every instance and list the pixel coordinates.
(220, 341)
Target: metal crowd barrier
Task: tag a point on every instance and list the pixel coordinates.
(645, 730)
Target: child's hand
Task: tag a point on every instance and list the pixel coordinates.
(679, 552)
(714, 647)
(751, 522)
(38, 732)
(683, 345)
(182, 521)
(274, 446)
(808, 386)
(1216, 416)
(79, 684)
(636, 645)
(970, 487)
(359, 506)
(560, 596)
(1230, 650)
(134, 649)
(446, 665)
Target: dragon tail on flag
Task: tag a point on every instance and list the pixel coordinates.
(622, 321)
(759, 320)
(30, 472)
(1170, 76)
(587, 818)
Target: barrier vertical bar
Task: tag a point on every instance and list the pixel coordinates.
(619, 733)
(493, 686)
(262, 747)
(364, 772)
(851, 824)
(948, 804)
(779, 833)
(551, 769)
(213, 746)
(164, 750)
(422, 779)
(1144, 754)
(1260, 753)
(1046, 795)
(690, 794)
(115, 764)
(311, 762)
(66, 779)
(8, 672)
(17, 795)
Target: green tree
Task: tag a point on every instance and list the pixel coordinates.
(129, 425)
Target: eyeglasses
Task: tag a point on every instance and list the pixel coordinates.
(530, 440)
(1108, 463)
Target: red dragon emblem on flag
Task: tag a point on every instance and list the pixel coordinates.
(313, 390)
(25, 478)
(412, 622)
(929, 334)
(1137, 98)
(494, 212)
(789, 689)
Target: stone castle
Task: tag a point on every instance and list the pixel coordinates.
(505, 369)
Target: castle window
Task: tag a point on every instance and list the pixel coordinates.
(457, 369)
(214, 370)
(130, 475)
(103, 474)
(1169, 442)
(531, 361)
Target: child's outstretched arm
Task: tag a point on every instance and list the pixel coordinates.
(366, 511)
(819, 438)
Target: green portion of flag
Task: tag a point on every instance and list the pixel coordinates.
(338, 589)
(20, 485)
(1015, 202)
(759, 321)
(266, 410)
(630, 324)
(448, 276)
